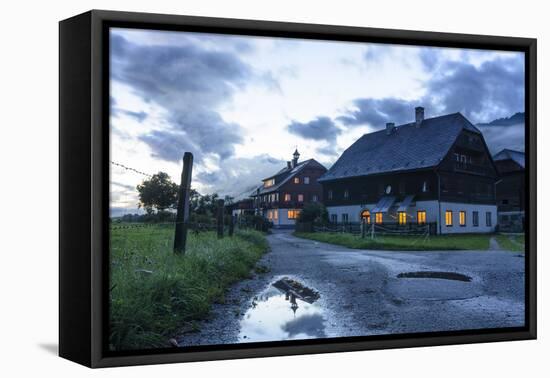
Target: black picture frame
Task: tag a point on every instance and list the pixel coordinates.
(84, 190)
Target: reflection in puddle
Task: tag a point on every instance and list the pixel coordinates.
(286, 310)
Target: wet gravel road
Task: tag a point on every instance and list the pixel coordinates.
(360, 293)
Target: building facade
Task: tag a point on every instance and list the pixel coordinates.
(282, 195)
(242, 207)
(510, 190)
(432, 171)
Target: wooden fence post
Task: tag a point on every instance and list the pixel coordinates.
(220, 218)
(231, 225)
(182, 215)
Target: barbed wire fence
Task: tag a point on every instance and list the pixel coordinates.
(130, 169)
(182, 222)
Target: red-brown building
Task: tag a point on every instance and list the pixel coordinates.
(283, 194)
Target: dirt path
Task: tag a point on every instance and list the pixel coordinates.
(493, 244)
(360, 294)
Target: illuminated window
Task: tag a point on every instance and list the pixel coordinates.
(296, 180)
(388, 189)
(421, 217)
(475, 218)
(425, 186)
(462, 218)
(365, 216)
(448, 218)
(275, 214)
(346, 194)
(268, 183)
(402, 217)
(272, 214)
(306, 180)
(287, 197)
(378, 217)
(300, 198)
(330, 194)
(293, 214)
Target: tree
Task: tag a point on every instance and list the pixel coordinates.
(313, 212)
(158, 193)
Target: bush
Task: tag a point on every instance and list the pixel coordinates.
(313, 213)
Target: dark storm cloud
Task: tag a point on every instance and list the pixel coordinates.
(321, 128)
(329, 150)
(429, 57)
(481, 93)
(190, 83)
(199, 132)
(138, 116)
(170, 145)
(494, 89)
(237, 177)
(377, 112)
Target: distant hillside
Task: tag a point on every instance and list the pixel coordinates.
(513, 120)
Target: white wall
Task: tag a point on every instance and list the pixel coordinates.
(432, 209)
(29, 156)
(469, 209)
(353, 212)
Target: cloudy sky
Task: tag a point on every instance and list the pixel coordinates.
(242, 105)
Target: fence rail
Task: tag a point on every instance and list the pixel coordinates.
(357, 228)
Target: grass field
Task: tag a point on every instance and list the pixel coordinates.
(403, 243)
(154, 293)
(515, 243)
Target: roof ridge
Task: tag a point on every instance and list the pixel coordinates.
(376, 152)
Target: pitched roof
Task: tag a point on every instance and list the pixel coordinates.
(505, 154)
(285, 174)
(407, 148)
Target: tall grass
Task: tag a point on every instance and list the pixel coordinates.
(155, 293)
(403, 243)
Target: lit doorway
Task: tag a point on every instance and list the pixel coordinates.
(365, 216)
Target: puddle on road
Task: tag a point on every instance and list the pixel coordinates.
(440, 275)
(433, 285)
(286, 310)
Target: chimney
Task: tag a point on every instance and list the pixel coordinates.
(288, 165)
(419, 113)
(390, 127)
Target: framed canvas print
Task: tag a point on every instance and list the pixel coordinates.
(233, 188)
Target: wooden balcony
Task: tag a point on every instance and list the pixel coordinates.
(475, 169)
(281, 205)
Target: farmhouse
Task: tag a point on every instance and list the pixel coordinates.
(242, 207)
(436, 170)
(510, 189)
(283, 194)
